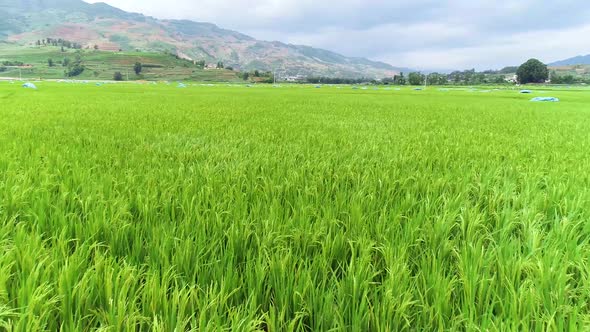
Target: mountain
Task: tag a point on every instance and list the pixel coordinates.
(112, 29)
(578, 60)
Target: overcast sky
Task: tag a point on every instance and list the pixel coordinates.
(423, 34)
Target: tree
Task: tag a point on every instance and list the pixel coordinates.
(437, 79)
(220, 65)
(50, 62)
(416, 79)
(62, 49)
(95, 47)
(532, 71)
(508, 70)
(200, 64)
(66, 62)
(399, 79)
(118, 76)
(498, 79)
(138, 68)
(75, 69)
(567, 79)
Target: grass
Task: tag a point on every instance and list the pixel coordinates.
(128, 207)
(101, 65)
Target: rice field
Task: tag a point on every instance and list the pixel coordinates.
(226, 208)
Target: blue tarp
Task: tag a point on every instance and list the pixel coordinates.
(181, 85)
(29, 86)
(549, 99)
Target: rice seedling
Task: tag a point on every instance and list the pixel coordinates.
(152, 208)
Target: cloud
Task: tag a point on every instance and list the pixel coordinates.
(420, 33)
(548, 45)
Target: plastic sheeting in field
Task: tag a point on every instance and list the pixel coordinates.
(29, 86)
(546, 99)
(181, 85)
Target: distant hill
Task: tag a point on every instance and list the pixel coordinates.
(32, 63)
(110, 29)
(578, 60)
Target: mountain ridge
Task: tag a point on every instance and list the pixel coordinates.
(577, 60)
(113, 29)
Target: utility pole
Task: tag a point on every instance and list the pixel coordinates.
(20, 73)
(127, 74)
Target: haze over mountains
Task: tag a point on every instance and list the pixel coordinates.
(577, 60)
(113, 29)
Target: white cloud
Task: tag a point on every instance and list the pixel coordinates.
(420, 33)
(547, 45)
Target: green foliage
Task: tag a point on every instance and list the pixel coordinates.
(399, 79)
(437, 79)
(152, 208)
(532, 71)
(563, 79)
(467, 77)
(336, 80)
(117, 76)
(416, 78)
(137, 68)
(509, 70)
(161, 66)
(200, 64)
(12, 63)
(220, 65)
(50, 62)
(75, 69)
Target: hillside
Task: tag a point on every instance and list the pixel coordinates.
(32, 62)
(112, 29)
(578, 60)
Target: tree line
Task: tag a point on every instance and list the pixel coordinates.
(59, 42)
(532, 71)
(467, 77)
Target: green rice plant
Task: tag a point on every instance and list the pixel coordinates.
(220, 208)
